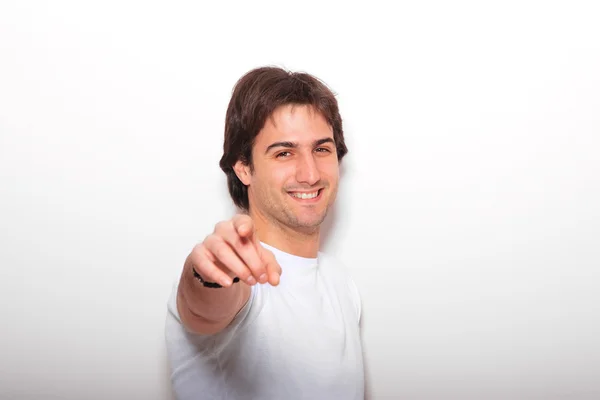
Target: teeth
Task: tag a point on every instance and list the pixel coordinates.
(306, 195)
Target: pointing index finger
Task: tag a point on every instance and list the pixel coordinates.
(243, 225)
(248, 246)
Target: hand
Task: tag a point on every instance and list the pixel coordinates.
(233, 249)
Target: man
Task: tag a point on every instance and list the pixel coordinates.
(259, 312)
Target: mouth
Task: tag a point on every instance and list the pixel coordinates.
(307, 197)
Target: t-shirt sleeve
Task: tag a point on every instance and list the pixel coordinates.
(355, 297)
(183, 345)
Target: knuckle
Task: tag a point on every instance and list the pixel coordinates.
(213, 241)
(199, 247)
(244, 274)
(234, 239)
(223, 252)
(197, 252)
(209, 239)
(269, 255)
(220, 226)
(276, 269)
(220, 250)
(202, 265)
(257, 270)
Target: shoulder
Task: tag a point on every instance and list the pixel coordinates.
(335, 265)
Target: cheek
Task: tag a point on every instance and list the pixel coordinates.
(281, 177)
(330, 171)
(272, 180)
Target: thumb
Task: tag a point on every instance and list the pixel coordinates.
(273, 268)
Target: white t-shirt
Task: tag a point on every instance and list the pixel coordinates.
(297, 340)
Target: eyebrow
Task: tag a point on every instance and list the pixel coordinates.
(293, 145)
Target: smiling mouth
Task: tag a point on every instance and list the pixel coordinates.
(306, 195)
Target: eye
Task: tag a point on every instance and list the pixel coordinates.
(322, 150)
(283, 154)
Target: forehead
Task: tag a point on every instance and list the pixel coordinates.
(296, 123)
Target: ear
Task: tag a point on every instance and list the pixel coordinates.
(243, 172)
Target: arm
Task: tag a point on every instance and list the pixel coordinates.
(206, 310)
(232, 250)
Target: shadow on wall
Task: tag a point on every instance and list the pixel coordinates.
(368, 391)
(328, 226)
(328, 235)
(168, 393)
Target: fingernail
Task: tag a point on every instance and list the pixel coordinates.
(225, 282)
(251, 280)
(263, 278)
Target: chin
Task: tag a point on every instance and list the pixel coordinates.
(309, 221)
(305, 216)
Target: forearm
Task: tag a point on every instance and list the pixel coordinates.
(208, 310)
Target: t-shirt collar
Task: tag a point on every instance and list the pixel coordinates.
(291, 260)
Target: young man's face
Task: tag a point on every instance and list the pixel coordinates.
(296, 171)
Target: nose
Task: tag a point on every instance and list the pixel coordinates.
(307, 170)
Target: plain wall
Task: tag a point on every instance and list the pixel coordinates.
(469, 211)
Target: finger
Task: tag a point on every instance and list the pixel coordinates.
(246, 249)
(209, 271)
(244, 225)
(220, 252)
(273, 268)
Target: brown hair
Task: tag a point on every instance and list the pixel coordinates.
(255, 96)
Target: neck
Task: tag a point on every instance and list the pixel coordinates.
(302, 243)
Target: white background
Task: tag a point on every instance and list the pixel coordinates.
(469, 211)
